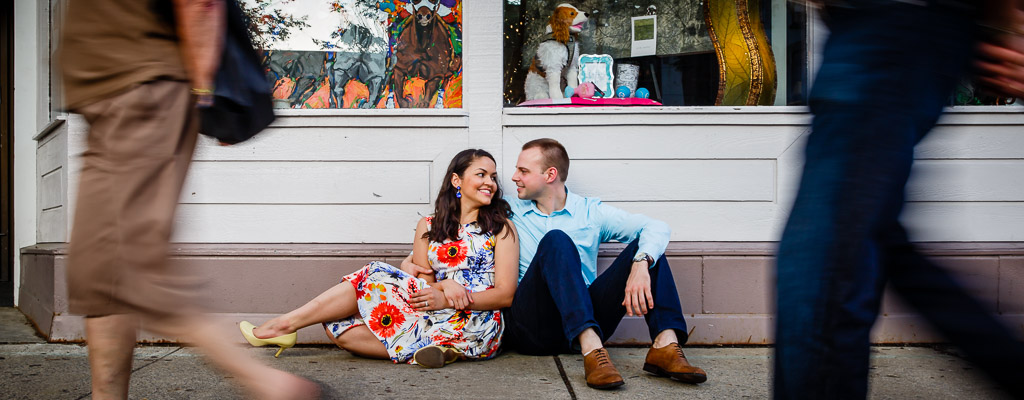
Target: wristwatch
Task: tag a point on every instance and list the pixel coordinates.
(641, 256)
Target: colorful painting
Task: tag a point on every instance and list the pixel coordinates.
(361, 53)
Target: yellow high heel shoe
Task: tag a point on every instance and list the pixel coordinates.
(283, 341)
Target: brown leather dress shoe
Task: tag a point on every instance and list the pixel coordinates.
(670, 361)
(600, 372)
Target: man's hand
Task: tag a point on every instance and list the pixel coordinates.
(414, 269)
(456, 294)
(638, 290)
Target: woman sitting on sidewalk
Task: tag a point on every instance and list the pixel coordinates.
(430, 316)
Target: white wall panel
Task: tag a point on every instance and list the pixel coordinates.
(675, 180)
(714, 221)
(970, 170)
(52, 185)
(965, 222)
(285, 182)
(315, 177)
(974, 141)
(338, 144)
(967, 180)
(309, 223)
(51, 190)
(663, 142)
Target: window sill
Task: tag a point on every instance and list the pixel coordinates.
(392, 118)
(711, 115)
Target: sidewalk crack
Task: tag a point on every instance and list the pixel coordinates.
(144, 366)
(157, 360)
(565, 379)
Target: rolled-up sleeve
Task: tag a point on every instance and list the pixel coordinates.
(617, 224)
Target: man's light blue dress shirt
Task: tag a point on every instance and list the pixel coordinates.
(588, 222)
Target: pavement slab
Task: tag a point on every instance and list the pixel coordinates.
(733, 373)
(15, 328)
(926, 373)
(61, 371)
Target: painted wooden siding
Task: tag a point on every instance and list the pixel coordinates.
(713, 174)
(315, 176)
(52, 195)
(730, 174)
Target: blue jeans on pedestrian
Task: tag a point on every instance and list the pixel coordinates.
(887, 72)
(553, 305)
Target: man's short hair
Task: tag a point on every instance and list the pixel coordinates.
(553, 154)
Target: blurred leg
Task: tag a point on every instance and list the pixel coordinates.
(214, 340)
(858, 158)
(111, 342)
(140, 147)
(962, 319)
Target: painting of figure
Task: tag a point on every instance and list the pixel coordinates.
(361, 53)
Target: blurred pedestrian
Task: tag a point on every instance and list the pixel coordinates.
(889, 67)
(136, 78)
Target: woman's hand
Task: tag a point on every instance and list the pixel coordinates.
(456, 294)
(428, 299)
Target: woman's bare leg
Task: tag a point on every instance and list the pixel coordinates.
(333, 304)
(361, 342)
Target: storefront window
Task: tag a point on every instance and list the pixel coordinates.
(361, 53)
(677, 52)
(665, 48)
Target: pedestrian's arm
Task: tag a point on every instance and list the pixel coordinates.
(1000, 60)
(506, 273)
(201, 28)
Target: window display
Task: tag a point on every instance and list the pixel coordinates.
(666, 47)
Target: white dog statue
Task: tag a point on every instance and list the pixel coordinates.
(557, 58)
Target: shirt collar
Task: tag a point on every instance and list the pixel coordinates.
(571, 204)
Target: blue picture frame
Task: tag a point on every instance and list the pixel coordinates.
(597, 68)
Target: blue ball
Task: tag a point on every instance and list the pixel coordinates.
(568, 91)
(643, 93)
(622, 92)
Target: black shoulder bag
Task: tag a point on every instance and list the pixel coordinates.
(242, 96)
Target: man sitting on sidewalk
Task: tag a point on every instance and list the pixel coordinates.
(561, 305)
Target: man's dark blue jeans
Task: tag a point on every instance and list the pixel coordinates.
(887, 72)
(553, 305)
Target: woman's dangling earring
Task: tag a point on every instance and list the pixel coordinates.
(458, 192)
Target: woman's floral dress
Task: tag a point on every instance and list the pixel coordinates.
(383, 293)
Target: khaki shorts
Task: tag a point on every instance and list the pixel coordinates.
(140, 144)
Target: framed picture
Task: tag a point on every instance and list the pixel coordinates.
(597, 68)
(645, 36)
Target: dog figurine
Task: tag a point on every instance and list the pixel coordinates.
(556, 63)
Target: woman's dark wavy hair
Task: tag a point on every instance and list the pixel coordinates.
(492, 218)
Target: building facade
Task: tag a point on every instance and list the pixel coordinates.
(277, 219)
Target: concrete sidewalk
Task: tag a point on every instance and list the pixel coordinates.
(61, 371)
(33, 369)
